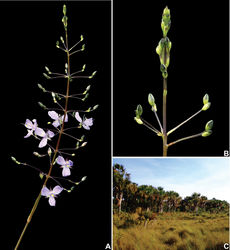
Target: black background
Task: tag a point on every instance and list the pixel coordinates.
(199, 65)
(29, 31)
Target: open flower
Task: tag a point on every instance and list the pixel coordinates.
(45, 136)
(31, 127)
(86, 123)
(51, 194)
(65, 164)
(58, 118)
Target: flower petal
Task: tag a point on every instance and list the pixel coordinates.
(57, 190)
(56, 123)
(77, 116)
(43, 143)
(40, 132)
(88, 122)
(60, 160)
(50, 134)
(66, 171)
(30, 132)
(70, 163)
(45, 192)
(52, 201)
(28, 124)
(53, 115)
(66, 118)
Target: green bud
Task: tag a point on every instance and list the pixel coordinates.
(209, 125)
(138, 120)
(77, 145)
(87, 89)
(205, 99)
(64, 20)
(49, 151)
(46, 76)
(14, 160)
(166, 21)
(139, 111)
(82, 38)
(86, 96)
(42, 88)
(95, 107)
(83, 178)
(66, 65)
(73, 154)
(41, 175)
(37, 154)
(206, 106)
(83, 144)
(47, 69)
(159, 49)
(42, 105)
(94, 73)
(207, 133)
(62, 39)
(88, 110)
(151, 99)
(83, 47)
(83, 67)
(64, 9)
(57, 44)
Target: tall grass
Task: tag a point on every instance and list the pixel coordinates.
(179, 231)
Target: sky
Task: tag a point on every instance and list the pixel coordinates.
(208, 176)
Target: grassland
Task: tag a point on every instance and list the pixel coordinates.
(169, 231)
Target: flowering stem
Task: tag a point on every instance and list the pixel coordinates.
(183, 139)
(172, 130)
(55, 152)
(165, 147)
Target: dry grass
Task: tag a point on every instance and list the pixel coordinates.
(179, 231)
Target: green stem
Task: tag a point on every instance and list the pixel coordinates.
(55, 152)
(172, 130)
(165, 147)
(183, 139)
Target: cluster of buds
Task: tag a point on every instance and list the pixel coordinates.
(164, 46)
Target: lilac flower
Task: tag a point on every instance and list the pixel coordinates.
(58, 118)
(31, 127)
(86, 123)
(51, 194)
(45, 136)
(65, 164)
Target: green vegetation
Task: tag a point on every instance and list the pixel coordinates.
(146, 217)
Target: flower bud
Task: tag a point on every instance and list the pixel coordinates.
(83, 178)
(151, 99)
(138, 120)
(83, 47)
(46, 76)
(95, 107)
(206, 106)
(64, 9)
(42, 105)
(139, 111)
(57, 44)
(209, 125)
(166, 21)
(82, 38)
(93, 74)
(14, 160)
(205, 99)
(64, 20)
(62, 39)
(41, 87)
(41, 175)
(83, 67)
(83, 144)
(207, 133)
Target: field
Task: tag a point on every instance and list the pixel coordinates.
(179, 231)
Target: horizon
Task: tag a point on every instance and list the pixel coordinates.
(207, 176)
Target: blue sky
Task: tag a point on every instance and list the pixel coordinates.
(208, 176)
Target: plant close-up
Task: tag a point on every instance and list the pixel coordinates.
(51, 138)
(163, 50)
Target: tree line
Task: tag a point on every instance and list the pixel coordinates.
(128, 196)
